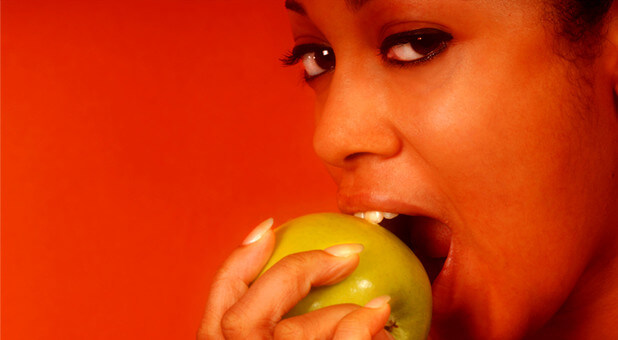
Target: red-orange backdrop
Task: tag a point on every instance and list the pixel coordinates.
(141, 141)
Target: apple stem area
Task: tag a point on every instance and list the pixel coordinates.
(390, 325)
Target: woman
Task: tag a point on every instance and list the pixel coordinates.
(492, 126)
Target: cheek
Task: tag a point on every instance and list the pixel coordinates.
(528, 177)
(523, 168)
(501, 144)
(510, 156)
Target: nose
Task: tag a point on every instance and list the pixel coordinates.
(355, 119)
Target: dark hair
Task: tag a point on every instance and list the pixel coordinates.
(580, 22)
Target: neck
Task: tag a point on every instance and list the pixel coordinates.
(591, 310)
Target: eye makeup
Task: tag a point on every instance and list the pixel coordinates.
(316, 59)
(403, 49)
(414, 47)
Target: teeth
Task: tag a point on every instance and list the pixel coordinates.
(389, 216)
(375, 217)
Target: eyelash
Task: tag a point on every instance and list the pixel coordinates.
(410, 37)
(419, 36)
(296, 55)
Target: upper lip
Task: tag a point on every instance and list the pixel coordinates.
(351, 203)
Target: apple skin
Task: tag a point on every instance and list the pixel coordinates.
(386, 267)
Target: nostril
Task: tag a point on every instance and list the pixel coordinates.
(354, 156)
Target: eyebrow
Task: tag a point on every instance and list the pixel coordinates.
(356, 5)
(295, 6)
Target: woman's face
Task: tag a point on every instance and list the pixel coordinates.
(462, 114)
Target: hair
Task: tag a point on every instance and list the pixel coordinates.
(582, 23)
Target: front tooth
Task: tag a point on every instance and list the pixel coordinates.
(360, 214)
(389, 216)
(374, 217)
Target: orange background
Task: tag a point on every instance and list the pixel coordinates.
(141, 141)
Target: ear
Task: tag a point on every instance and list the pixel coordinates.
(612, 45)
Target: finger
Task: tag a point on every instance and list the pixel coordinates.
(319, 324)
(283, 285)
(365, 323)
(233, 278)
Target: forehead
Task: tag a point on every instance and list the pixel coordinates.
(497, 11)
(298, 6)
(353, 5)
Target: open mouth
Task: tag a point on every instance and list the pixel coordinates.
(428, 238)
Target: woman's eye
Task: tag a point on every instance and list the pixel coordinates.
(316, 59)
(414, 46)
(318, 62)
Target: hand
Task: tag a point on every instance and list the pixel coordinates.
(238, 310)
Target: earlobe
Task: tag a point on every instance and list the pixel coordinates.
(612, 38)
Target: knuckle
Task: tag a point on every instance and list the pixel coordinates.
(297, 271)
(232, 323)
(312, 267)
(303, 263)
(236, 323)
(209, 326)
(206, 334)
(295, 262)
(288, 329)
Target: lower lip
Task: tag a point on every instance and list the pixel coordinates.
(433, 266)
(440, 286)
(432, 240)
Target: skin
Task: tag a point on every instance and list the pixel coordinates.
(503, 145)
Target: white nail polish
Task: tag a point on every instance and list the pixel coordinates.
(259, 231)
(378, 302)
(345, 250)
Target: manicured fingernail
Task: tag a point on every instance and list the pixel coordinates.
(258, 232)
(345, 250)
(378, 302)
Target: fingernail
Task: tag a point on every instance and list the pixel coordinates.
(258, 232)
(378, 302)
(345, 250)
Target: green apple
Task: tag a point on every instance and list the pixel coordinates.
(387, 267)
